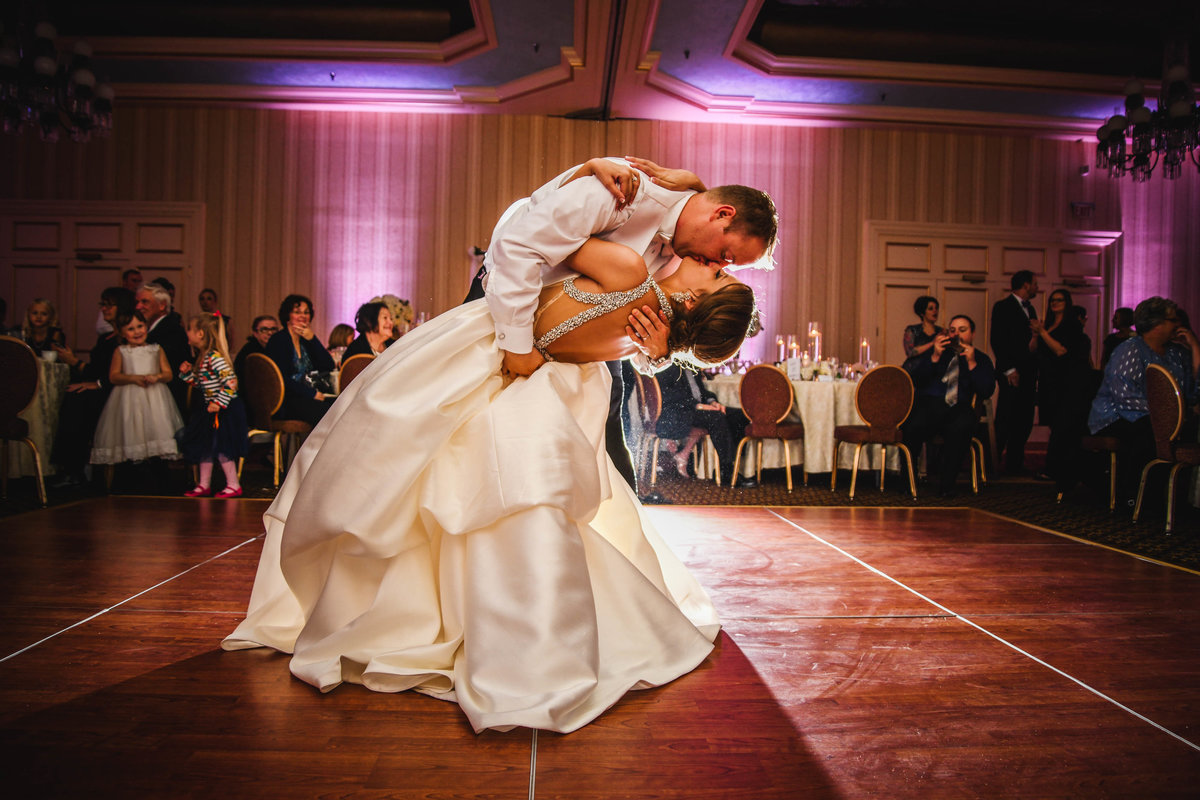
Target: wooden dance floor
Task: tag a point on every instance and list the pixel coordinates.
(866, 652)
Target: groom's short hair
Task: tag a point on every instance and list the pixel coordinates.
(756, 215)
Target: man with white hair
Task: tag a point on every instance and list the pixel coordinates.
(154, 302)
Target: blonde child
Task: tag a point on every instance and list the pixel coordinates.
(217, 430)
(140, 418)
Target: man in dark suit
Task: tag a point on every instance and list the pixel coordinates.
(951, 379)
(167, 332)
(1012, 331)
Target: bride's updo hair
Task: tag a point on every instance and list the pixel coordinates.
(713, 330)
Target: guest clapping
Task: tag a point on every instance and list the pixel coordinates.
(1064, 389)
(299, 353)
(374, 324)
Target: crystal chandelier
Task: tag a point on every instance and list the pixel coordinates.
(1168, 134)
(36, 89)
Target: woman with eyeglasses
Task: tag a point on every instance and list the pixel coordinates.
(263, 328)
(1065, 383)
(87, 392)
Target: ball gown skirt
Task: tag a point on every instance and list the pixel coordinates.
(138, 422)
(446, 531)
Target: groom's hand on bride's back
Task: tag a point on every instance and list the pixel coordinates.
(521, 364)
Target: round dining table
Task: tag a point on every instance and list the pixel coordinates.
(42, 416)
(821, 405)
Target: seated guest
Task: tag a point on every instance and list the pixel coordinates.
(374, 325)
(1122, 324)
(40, 330)
(86, 394)
(1120, 408)
(1064, 388)
(401, 310)
(339, 339)
(261, 330)
(919, 338)
(690, 410)
(298, 353)
(949, 379)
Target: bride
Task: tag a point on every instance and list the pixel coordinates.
(449, 530)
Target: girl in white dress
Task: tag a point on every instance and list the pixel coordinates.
(140, 418)
(450, 531)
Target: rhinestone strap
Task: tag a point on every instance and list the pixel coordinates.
(601, 303)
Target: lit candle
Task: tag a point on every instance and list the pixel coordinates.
(864, 352)
(779, 344)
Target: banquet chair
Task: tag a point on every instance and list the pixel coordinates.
(883, 399)
(262, 386)
(649, 397)
(767, 397)
(975, 448)
(1166, 420)
(351, 367)
(1110, 446)
(19, 366)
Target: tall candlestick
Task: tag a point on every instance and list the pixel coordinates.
(864, 352)
(779, 344)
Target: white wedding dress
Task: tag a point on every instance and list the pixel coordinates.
(444, 532)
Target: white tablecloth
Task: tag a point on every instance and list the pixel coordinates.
(42, 416)
(820, 405)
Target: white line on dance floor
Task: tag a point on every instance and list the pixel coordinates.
(102, 612)
(984, 630)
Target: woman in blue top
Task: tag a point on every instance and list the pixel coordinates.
(1120, 408)
(297, 351)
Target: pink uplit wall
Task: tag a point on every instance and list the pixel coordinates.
(344, 205)
(1161, 245)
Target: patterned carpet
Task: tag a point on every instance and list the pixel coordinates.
(1083, 513)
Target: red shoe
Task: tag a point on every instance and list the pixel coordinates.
(228, 492)
(198, 491)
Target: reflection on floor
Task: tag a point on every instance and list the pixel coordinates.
(894, 652)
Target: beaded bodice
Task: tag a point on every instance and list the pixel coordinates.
(599, 304)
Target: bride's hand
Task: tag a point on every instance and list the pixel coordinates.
(620, 180)
(676, 180)
(648, 331)
(521, 364)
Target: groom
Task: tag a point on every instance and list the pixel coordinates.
(721, 227)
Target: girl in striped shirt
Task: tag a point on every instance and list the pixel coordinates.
(217, 430)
